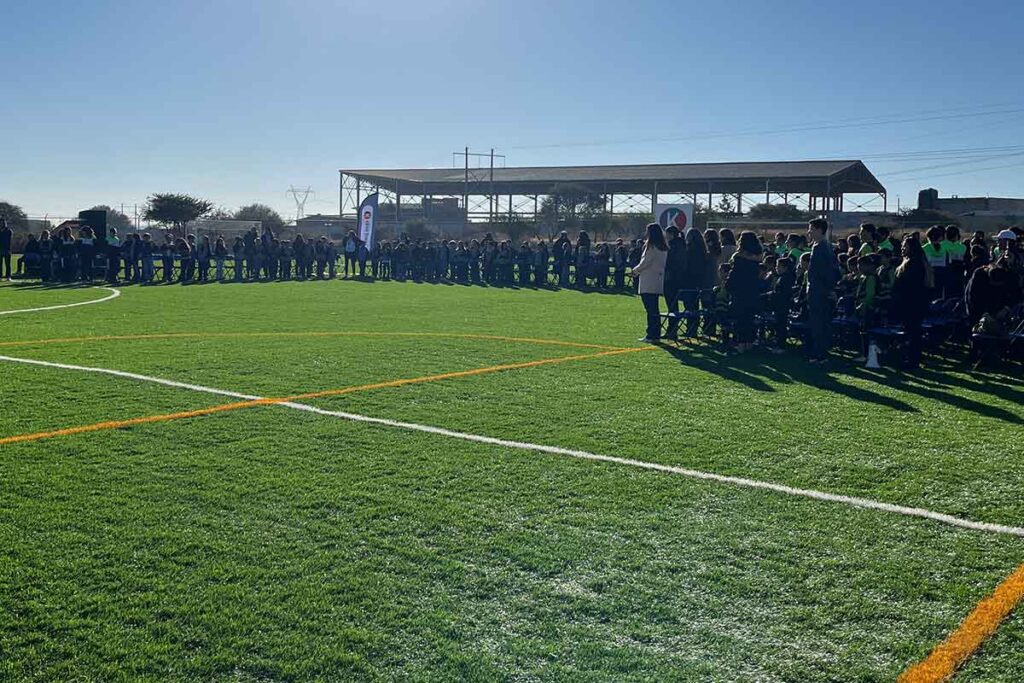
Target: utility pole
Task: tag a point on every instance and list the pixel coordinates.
(465, 197)
(493, 201)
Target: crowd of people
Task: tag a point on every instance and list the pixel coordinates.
(714, 282)
(67, 257)
(801, 285)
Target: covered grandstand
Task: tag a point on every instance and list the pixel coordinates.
(489, 194)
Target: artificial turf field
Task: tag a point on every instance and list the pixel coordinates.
(264, 543)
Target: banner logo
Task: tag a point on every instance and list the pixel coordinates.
(678, 215)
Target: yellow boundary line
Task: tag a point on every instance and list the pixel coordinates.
(239, 405)
(962, 643)
(242, 335)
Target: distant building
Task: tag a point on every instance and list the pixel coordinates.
(975, 213)
(332, 226)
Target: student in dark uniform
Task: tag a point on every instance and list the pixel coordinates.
(620, 259)
(910, 296)
(204, 252)
(6, 246)
(524, 260)
(781, 298)
(601, 264)
(284, 260)
(167, 258)
(249, 242)
(45, 256)
(128, 257)
(112, 249)
(220, 254)
(146, 251)
(540, 264)
(29, 261)
(675, 265)
(744, 288)
(474, 261)
(238, 253)
(68, 252)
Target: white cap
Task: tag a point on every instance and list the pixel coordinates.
(1006, 235)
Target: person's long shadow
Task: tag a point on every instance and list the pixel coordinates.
(717, 364)
(36, 284)
(752, 371)
(912, 384)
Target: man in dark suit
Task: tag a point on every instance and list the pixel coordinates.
(822, 276)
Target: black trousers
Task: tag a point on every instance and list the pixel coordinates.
(650, 302)
(672, 303)
(912, 355)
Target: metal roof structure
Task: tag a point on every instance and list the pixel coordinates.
(821, 178)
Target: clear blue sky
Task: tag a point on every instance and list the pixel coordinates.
(107, 102)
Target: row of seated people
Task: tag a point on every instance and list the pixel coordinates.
(981, 291)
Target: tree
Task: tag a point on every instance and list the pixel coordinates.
(630, 225)
(14, 216)
(263, 213)
(176, 210)
(115, 219)
(220, 214)
(515, 227)
(417, 230)
(568, 206)
(777, 212)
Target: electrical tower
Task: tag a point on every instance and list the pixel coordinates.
(300, 195)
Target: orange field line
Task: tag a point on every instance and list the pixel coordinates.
(981, 623)
(215, 335)
(239, 405)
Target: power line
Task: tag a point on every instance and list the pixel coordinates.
(851, 123)
(955, 173)
(955, 163)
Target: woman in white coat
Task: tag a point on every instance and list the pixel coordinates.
(651, 273)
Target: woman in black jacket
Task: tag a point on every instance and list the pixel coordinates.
(910, 298)
(744, 288)
(694, 277)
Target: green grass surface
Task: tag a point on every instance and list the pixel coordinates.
(271, 544)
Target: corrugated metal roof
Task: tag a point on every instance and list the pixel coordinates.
(849, 176)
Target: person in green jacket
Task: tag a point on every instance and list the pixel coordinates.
(866, 298)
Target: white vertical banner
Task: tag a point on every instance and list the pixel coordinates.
(678, 215)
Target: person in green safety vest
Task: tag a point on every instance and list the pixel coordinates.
(886, 278)
(794, 244)
(956, 268)
(866, 298)
(868, 239)
(780, 247)
(1003, 240)
(936, 256)
(883, 240)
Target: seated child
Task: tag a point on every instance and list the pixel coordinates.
(781, 298)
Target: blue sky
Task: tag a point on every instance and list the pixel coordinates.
(107, 102)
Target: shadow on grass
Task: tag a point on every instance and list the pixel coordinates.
(762, 373)
(756, 372)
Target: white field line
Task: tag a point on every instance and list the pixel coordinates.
(114, 293)
(581, 455)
